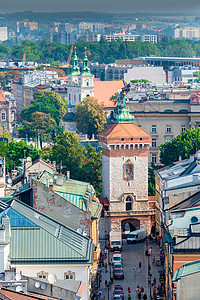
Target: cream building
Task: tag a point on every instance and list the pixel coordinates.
(164, 117)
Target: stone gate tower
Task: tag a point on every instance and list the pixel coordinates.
(125, 173)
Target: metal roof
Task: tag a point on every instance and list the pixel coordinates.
(187, 269)
(48, 241)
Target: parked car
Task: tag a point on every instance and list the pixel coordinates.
(117, 266)
(119, 292)
(117, 258)
(117, 297)
(118, 273)
(118, 287)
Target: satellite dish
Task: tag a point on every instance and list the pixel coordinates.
(85, 233)
(18, 277)
(43, 286)
(79, 230)
(19, 288)
(9, 181)
(29, 159)
(51, 181)
(37, 284)
(52, 278)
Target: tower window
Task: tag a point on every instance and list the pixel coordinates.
(122, 139)
(128, 203)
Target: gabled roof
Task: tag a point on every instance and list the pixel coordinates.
(3, 99)
(42, 239)
(41, 160)
(192, 201)
(124, 130)
(104, 90)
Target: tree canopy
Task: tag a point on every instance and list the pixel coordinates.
(48, 103)
(184, 145)
(103, 51)
(14, 153)
(90, 116)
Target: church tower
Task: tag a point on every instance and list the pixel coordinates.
(125, 173)
(80, 82)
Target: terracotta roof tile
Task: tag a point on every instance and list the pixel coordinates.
(3, 99)
(13, 295)
(103, 90)
(124, 130)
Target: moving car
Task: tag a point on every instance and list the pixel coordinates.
(118, 273)
(136, 236)
(117, 297)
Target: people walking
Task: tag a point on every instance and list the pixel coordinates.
(153, 260)
(140, 265)
(150, 251)
(145, 296)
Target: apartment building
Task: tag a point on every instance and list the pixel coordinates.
(3, 34)
(192, 33)
(164, 112)
(131, 37)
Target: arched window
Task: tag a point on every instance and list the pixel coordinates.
(128, 203)
(88, 95)
(87, 83)
(42, 274)
(69, 275)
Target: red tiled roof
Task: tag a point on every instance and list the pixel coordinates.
(3, 100)
(8, 294)
(125, 130)
(42, 161)
(103, 90)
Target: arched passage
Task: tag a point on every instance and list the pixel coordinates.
(128, 225)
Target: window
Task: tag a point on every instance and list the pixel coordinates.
(69, 275)
(168, 128)
(183, 128)
(87, 83)
(3, 116)
(153, 128)
(168, 139)
(128, 203)
(69, 97)
(153, 158)
(154, 143)
(42, 274)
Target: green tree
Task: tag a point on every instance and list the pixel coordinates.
(47, 102)
(69, 153)
(184, 145)
(5, 133)
(114, 98)
(15, 152)
(90, 116)
(40, 123)
(92, 170)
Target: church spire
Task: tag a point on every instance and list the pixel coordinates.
(124, 116)
(75, 68)
(85, 68)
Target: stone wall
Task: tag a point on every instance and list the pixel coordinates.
(58, 208)
(116, 182)
(104, 225)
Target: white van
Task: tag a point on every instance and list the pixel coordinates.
(136, 236)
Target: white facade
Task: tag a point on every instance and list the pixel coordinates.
(153, 74)
(79, 87)
(3, 34)
(132, 37)
(82, 273)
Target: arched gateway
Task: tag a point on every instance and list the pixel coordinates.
(125, 173)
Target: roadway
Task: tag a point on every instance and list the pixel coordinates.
(132, 254)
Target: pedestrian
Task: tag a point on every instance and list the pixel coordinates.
(153, 260)
(104, 298)
(140, 265)
(154, 280)
(137, 289)
(139, 295)
(101, 297)
(106, 283)
(145, 296)
(135, 268)
(105, 265)
(149, 268)
(129, 297)
(150, 251)
(129, 290)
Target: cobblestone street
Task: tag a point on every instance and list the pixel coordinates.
(132, 254)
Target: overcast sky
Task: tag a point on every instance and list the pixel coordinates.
(151, 6)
